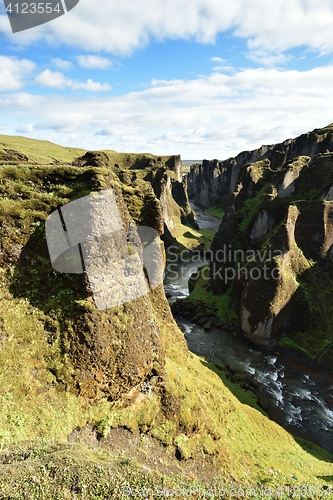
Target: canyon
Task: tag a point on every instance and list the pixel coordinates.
(81, 387)
(277, 237)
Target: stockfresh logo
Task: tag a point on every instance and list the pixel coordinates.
(88, 236)
(25, 15)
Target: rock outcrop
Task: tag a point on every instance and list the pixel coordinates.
(272, 252)
(97, 354)
(214, 178)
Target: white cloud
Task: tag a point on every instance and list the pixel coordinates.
(91, 86)
(269, 59)
(13, 72)
(123, 27)
(224, 69)
(218, 59)
(286, 24)
(26, 129)
(57, 80)
(94, 62)
(62, 63)
(53, 79)
(215, 116)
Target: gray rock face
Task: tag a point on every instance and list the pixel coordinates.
(288, 187)
(171, 191)
(216, 177)
(272, 253)
(262, 225)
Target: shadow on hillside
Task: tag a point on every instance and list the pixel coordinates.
(329, 479)
(316, 451)
(188, 234)
(35, 280)
(244, 396)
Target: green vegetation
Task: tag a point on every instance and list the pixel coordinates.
(74, 378)
(135, 161)
(216, 211)
(187, 237)
(39, 151)
(207, 236)
(249, 208)
(295, 222)
(312, 333)
(244, 396)
(206, 302)
(76, 471)
(294, 344)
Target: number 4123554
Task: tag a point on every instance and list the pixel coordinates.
(33, 8)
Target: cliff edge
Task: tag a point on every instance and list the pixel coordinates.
(272, 255)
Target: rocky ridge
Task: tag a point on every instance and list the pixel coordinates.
(272, 254)
(215, 178)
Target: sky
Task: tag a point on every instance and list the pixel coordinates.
(200, 78)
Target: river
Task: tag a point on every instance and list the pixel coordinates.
(299, 397)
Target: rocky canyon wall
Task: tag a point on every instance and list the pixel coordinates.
(272, 254)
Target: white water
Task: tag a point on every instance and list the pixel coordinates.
(301, 399)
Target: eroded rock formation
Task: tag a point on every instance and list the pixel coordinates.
(96, 353)
(278, 235)
(215, 178)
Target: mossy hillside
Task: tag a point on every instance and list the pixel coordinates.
(136, 161)
(75, 471)
(38, 407)
(234, 419)
(315, 178)
(60, 372)
(29, 193)
(203, 305)
(208, 419)
(257, 170)
(60, 304)
(250, 209)
(45, 152)
(50, 319)
(207, 236)
(74, 331)
(150, 189)
(272, 293)
(311, 324)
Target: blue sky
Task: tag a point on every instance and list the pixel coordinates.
(205, 79)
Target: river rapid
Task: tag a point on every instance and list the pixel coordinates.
(297, 396)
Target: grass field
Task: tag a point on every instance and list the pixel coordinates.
(39, 151)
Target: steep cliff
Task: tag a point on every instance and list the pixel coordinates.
(272, 254)
(117, 379)
(96, 353)
(214, 178)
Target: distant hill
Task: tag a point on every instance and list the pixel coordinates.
(187, 163)
(39, 151)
